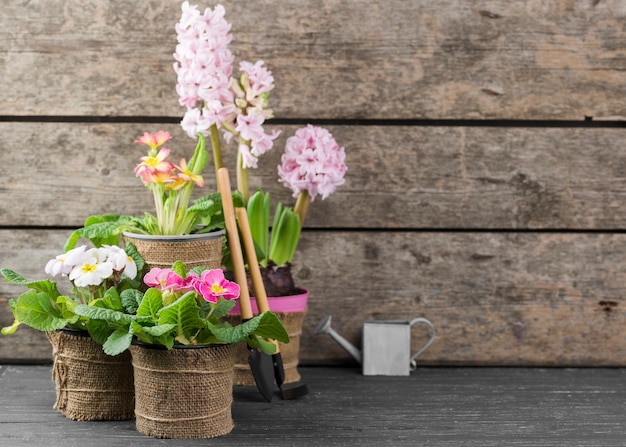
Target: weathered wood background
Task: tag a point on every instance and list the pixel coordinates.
(486, 183)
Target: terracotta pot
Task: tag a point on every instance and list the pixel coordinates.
(194, 250)
(291, 311)
(90, 385)
(185, 392)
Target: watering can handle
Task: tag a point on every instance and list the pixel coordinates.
(428, 343)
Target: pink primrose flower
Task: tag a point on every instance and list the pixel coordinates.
(212, 286)
(313, 161)
(154, 140)
(153, 165)
(186, 175)
(164, 279)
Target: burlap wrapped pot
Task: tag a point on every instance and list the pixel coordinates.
(193, 250)
(185, 392)
(90, 385)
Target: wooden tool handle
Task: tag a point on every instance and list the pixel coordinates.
(233, 243)
(253, 264)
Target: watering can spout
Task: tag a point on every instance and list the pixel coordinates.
(324, 328)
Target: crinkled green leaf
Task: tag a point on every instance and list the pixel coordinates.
(179, 268)
(184, 313)
(131, 298)
(35, 309)
(271, 327)
(99, 313)
(157, 331)
(151, 304)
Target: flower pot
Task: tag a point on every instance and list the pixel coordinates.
(90, 385)
(290, 310)
(185, 392)
(194, 250)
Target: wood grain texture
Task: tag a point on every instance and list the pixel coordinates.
(522, 59)
(438, 407)
(57, 174)
(495, 298)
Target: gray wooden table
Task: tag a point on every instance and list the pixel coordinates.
(432, 407)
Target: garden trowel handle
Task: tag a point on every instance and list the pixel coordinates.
(233, 244)
(253, 264)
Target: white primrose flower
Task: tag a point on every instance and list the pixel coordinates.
(121, 261)
(91, 272)
(65, 263)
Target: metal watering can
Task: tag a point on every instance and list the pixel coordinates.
(386, 345)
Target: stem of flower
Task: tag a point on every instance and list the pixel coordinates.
(243, 184)
(217, 149)
(158, 203)
(302, 205)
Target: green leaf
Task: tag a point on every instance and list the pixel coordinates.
(159, 330)
(131, 251)
(67, 307)
(233, 334)
(118, 341)
(35, 309)
(99, 330)
(180, 269)
(266, 346)
(8, 330)
(200, 156)
(99, 313)
(151, 304)
(258, 210)
(220, 309)
(131, 298)
(99, 233)
(44, 285)
(285, 235)
(110, 300)
(271, 327)
(184, 313)
(265, 325)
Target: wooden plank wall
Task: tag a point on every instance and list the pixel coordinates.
(486, 181)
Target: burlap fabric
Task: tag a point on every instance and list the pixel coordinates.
(183, 392)
(193, 252)
(90, 385)
(288, 351)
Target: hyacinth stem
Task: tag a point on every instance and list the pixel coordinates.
(302, 205)
(243, 184)
(217, 149)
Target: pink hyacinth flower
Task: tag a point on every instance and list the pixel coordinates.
(312, 162)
